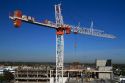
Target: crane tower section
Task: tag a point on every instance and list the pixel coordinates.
(59, 44)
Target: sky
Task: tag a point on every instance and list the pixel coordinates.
(38, 43)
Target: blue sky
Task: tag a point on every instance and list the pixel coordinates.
(35, 43)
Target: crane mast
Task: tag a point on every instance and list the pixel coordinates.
(61, 29)
(59, 45)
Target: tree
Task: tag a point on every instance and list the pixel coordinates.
(8, 76)
(1, 78)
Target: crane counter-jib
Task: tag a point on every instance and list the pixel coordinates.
(36, 23)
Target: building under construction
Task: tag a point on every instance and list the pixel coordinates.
(73, 73)
(30, 74)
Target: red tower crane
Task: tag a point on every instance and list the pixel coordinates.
(61, 29)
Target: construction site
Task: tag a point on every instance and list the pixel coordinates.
(73, 73)
(61, 74)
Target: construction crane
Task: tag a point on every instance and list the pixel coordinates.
(61, 29)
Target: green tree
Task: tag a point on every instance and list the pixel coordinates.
(8, 76)
(1, 78)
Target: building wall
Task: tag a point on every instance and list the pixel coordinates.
(104, 75)
(106, 68)
(100, 63)
(107, 62)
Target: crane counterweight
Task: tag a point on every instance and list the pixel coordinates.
(17, 22)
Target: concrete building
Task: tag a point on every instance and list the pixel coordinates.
(103, 63)
(8, 68)
(28, 74)
(104, 69)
